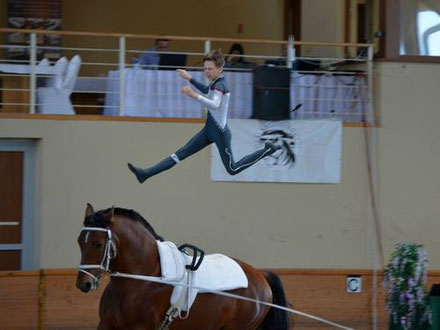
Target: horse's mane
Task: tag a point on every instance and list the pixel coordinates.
(100, 220)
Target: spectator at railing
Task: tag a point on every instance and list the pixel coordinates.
(151, 57)
(236, 60)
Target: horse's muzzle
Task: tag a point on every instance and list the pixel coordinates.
(88, 284)
(84, 286)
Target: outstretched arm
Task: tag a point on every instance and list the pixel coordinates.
(185, 75)
(213, 104)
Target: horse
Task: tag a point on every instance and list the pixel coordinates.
(121, 240)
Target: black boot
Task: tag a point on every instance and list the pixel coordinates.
(141, 176)
(144, 174)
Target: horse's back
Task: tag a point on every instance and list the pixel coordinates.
(212, 311)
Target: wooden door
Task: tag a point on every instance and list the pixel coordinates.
(11, 205)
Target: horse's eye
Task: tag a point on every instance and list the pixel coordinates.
(97, 245)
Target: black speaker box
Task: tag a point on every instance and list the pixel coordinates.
(271, 93)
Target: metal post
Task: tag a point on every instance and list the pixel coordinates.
(290, 52)
(121, 74)
(207, 50)
(371, 158)
(370, 113)
(33, 77)
(207, 46)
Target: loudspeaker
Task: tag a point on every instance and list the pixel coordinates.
(271, 93)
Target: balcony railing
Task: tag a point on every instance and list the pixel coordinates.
(99, 75)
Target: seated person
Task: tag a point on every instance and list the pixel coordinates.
(151, 58)
(235, 59)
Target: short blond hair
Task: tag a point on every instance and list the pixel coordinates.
(216, 56)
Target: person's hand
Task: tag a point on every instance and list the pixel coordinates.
(188, 91)
(184, 74)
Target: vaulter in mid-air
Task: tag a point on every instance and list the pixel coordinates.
(215, 129)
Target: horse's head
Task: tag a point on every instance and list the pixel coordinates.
(286, 140)
(97, 248)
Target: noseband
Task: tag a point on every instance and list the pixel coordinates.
(105, 262)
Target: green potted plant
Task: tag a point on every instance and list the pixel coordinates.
(405, 284)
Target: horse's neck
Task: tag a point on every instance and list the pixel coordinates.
(137, 250)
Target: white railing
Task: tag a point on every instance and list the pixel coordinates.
(107, 81)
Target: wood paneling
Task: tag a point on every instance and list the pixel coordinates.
(325, 296)
(68, 307)
(321, 293)
(19, 300)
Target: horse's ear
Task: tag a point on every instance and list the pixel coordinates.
(111, 214)
(89, 210)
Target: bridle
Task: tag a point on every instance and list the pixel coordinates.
(105, 262)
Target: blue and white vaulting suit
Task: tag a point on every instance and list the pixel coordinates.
(215, 131)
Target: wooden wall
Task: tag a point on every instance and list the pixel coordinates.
(323, 294)
(49, 299)
(66, 306)
(19, 303)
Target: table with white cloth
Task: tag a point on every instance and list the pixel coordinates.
(157, 93)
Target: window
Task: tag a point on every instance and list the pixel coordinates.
(412, 29)
(429, 33)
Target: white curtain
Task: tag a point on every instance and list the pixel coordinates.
(156, 93)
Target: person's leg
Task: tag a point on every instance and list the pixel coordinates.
(223, 141)
(197, 143)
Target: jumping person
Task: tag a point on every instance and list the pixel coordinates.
(215, 129)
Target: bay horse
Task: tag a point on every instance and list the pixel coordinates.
(121, 240)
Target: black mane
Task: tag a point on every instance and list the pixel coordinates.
(99, 219)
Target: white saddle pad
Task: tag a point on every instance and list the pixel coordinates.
(217, 272)
(172, 261)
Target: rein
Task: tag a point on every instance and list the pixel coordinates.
(104, 267)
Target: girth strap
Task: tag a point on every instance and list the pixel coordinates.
(171, 314)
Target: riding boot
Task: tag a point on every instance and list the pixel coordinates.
(144, 174)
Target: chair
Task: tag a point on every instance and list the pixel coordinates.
(55, 99)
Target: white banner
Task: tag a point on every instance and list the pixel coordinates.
(311, 151)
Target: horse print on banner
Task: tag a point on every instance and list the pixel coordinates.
(283, 136)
